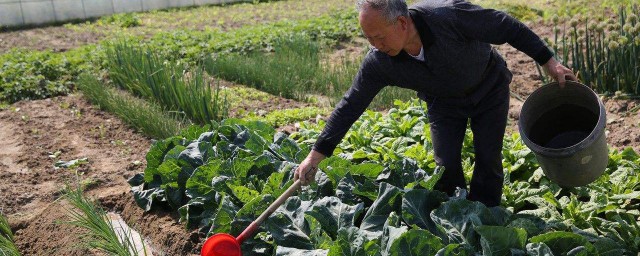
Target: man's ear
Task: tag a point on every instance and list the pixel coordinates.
(404, 22)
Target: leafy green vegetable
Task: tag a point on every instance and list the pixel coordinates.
(389, 200)
(364, 206)
(415, 242)
(498, 240)
(562, 243)
(417, 206)
(353, 241)
(334, 215)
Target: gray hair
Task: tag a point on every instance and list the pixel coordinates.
(391, 9)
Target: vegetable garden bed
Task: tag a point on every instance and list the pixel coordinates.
(374, 197)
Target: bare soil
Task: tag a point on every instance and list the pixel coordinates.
(31, 132)
(54, 38)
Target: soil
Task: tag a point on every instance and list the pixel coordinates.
(31, 132)
(54, 38)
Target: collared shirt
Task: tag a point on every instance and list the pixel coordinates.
(420, 55)
(459, 63)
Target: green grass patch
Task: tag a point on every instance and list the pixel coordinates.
(291, 72)
(7, 245)
(225, 17)
(295, 70)
(123, 20)
(41, 74)
(99, 232)
(278, 118)
(145, 117)
(532, 9)
(30, 75)
(170, 84)
(193, 45)
(521, 12)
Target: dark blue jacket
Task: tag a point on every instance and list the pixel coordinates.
(460, 65)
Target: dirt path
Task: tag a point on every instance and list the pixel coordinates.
(36, 134)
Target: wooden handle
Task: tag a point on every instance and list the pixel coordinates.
(248, 232)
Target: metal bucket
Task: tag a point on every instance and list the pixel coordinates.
(564, 127)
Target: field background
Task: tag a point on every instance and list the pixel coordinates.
(36, 133)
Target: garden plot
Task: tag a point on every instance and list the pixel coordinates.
(35, 135)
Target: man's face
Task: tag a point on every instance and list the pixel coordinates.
(384, 36)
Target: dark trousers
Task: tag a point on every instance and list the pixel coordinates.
(488, 121)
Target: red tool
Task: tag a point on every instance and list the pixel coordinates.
(227, 245)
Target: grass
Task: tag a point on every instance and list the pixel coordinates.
(279, 118)
(168, 83)
(146, 117)
(295, 70)
(100, 233)
(7, 246)
(289, 72)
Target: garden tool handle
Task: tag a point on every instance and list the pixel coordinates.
(248, 232)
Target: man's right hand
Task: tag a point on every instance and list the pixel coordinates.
(307, 169)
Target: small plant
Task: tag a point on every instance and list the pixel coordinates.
(283, 117)
(72, 164)
(7, 245)
(140, 114)
(124, 20)
(100, 233)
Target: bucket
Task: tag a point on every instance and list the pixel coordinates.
(564, 127)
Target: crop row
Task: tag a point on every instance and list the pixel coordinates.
(368, 202)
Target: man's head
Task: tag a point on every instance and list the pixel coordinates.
(385, 24)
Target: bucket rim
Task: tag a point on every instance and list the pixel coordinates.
(566, 151)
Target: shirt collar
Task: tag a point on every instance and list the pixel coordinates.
(426, 36)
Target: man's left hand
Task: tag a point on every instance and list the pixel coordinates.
(559, 72)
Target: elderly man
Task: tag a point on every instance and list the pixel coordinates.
(442, 50)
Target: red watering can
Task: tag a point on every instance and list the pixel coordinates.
(226, 245)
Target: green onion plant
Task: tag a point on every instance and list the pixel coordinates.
(295, 70)
(144, 116)
(605, 54)
(169, 83)
(100, 233)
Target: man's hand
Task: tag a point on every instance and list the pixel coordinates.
(306, 171)
(559, 72)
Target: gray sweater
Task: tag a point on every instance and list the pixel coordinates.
(460, 66)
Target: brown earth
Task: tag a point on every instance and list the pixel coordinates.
(54, 38)
(34, 131)
(31, 131)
